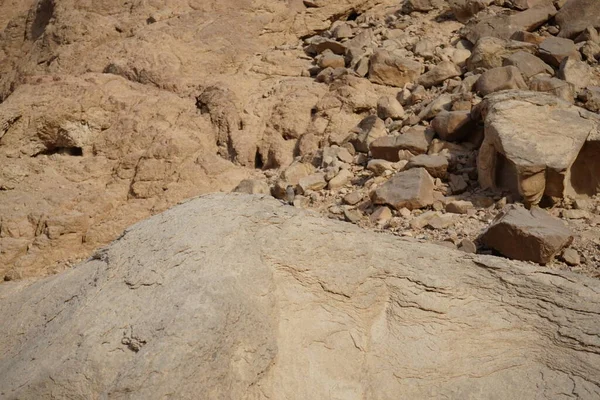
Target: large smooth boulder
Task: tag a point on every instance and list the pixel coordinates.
(531, 141)
(238, 297)
(576, 15)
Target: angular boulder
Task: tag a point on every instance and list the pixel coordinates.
(503, 26)
(411, 189)
(386, 68)
(527, 235)
(236, 297)
(528, 64)
(439, 73)
(531, 142)
(436, 165)
(368, 130)
(501, 78)
(490, 52)
(558, 87)
(555, 49)
(416, 140)
(576, 15)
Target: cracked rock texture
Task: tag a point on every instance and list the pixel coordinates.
(238, 296)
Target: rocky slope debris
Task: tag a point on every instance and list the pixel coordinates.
(234, 296)
(472, 120)
(316, 99)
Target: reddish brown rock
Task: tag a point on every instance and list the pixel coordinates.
(528, 235)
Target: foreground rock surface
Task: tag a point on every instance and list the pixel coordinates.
(240, 297)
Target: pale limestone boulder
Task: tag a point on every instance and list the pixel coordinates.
(531, 142)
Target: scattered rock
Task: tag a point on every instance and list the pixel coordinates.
(410, 189)
(252, 186)
(441, 221)
(296, 171)
(590, 96)
(575, 72)
(439, 73)
(464, 10)
(423, 5)
(559, 88)
(330, 60)
(368, 130)
(381, 216)
(443, 102)
(505, 25)
(531, 140)
(490, 52)
(577, 15)
(353, 198)
(528, 235)
(467, 246)
(312, 182)
(501, 78)
(379, 167)
(416, 140)
(575, 214)
(386, 68)
(459, 206)
(389, 107)
(353, 215)
(341, 179)
(436, 165)
(554, 50)
(458, 184)
(571, 257)
(528, 64)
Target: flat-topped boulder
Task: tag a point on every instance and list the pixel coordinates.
(411, 189)
(531, 141)
(528, 235)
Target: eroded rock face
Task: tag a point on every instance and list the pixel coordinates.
(531, 142)
(235, 296)
(111, 112)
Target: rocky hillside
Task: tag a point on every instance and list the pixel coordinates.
(392, 115)
(238, 297)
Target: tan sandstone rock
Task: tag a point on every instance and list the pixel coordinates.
(238, 297)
